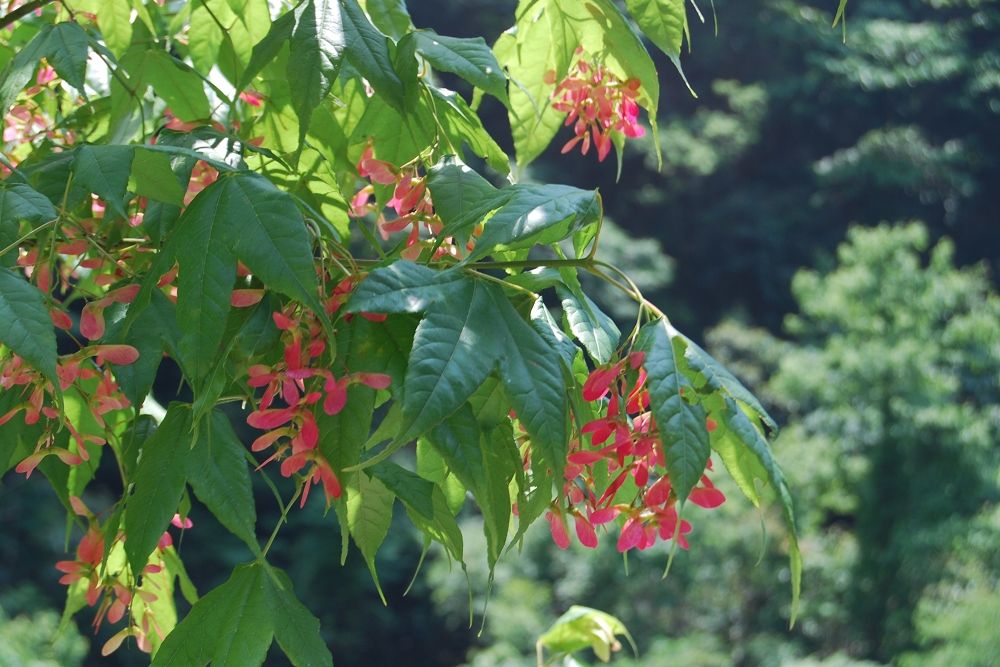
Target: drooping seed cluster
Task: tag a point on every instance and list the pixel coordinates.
(616, 468)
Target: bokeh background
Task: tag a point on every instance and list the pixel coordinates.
(826, 222)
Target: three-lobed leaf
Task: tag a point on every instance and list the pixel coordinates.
(235, 623)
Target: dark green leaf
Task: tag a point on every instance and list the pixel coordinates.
(242, 216)
(159, 483)
(317, 43)
(458, 191)
(454, 349)
(202, 243)
(532, 214)
(533, 378)
(66, 50)
(681, 424)
(405, 287)
(217, 472)
(295, 628)
(271, 237)
(409, 487)
(541, 320)
(104, 170)
(461, 125)
(19, 202)
(368, 51)
(25, 326)
(154, 330)
(231, 626)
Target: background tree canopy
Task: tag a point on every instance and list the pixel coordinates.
(825, 224)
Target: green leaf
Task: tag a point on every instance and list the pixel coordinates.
(400, 137)
(367, 49)
(457, 190)
(217, 472)
(455, 347)
(271, 237)
(205, 37)
(409, 487)
(460, 125)
(152, 332)
(664, 22)
(541, 320)
(405, 287)
(527, 53)
(459, 342)
(369, 515)
(471, 456)
(268, 48)
(720, 379)
(159, 483)
(19, 202)
(595, 330)
(25, 326)
(155, 179)
(532, 375)
(681, 424)
(469, 58)
(234, 624)
(231, 626)
(295, 628)
(527, 215)
(318, 43)
(583, 627)
(202, 243)
(243, 216)
(178, 86)
(104, 170)
(18, 72)
(66, 50)
(389, 16)
(115, 23)
(425, 504)
(742, 427)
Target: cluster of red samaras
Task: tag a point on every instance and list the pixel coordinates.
(115, 587)
(598, 104)
(88, 370)
(411, 202)
(300, 381)
(624, 446)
